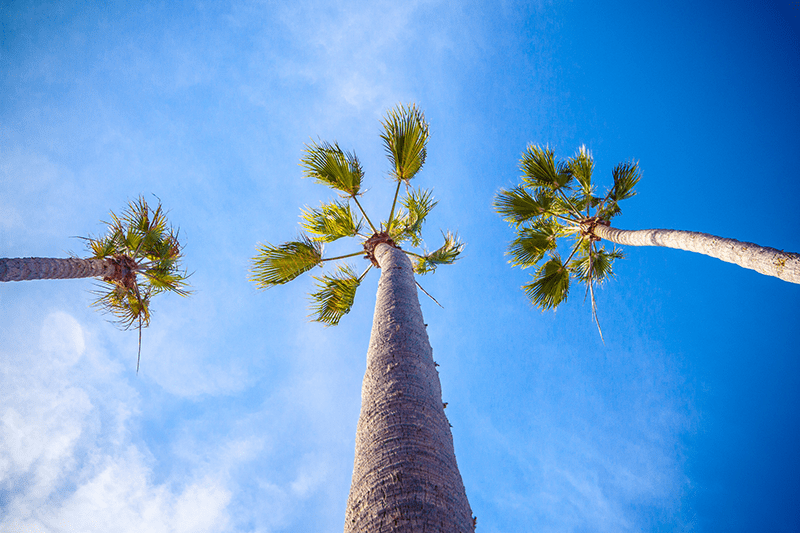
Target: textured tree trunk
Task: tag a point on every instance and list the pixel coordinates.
(28, 268)
(769, 261)
(405, 477)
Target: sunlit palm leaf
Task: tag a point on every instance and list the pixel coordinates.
(335, 296)
(540, 169)
(595, 265)
(275, 265)
(519, 205)
(330, 165)
(331, 222)
(581, 167)
(550, 285)
(445, 255)
(532, 243)
(124, 304)
(626, 176)
(405, 137)
(418, 204)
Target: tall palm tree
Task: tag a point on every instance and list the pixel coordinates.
(139, 257)
(556, 199)
(405, 476)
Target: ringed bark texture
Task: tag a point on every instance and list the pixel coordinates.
(769, 261)
(405, 476)
(29, 268)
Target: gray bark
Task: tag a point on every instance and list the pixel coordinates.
(29, 268)
(405, 476)
(769, 261)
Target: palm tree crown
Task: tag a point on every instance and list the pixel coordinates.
(556, 200)
(405, 135)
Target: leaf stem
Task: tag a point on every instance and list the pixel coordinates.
(394, 203)
(341, 257)
(364, 213)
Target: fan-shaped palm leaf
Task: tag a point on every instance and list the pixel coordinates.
(540, 169)
(335, 296)
(418, 204)
(330, 222)
(330, 165)
(532, 243)
(581, 167)
(444, 255)
(405, 137)
(275, 265)
(626, 176)
(550, 285)
(519, 205)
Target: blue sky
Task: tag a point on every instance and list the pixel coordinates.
(243, 415)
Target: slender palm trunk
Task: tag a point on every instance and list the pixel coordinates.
(405, 477)
(769, 261)
(28, 268)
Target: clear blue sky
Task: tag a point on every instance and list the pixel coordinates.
(242, 418)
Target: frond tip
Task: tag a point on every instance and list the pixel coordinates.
(335, 296)
(276, 265)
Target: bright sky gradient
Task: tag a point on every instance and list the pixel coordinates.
(243, 416)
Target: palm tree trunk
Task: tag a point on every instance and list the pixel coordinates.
(29, 268)
(405, 476)
(769, 261)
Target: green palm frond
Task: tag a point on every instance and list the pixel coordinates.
(626, 176)
(541, 169)
(518, 205)
(275, 265)
(408, 226)
(128, 306)
(532, 243)
(335, 296)
(327, 163)
(550, 285)
(405, 137)
(581, 167)
(330, 222)
(595, 265)
(444, 255)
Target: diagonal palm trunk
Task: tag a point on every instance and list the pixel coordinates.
(30, 268)
(405, 476)
(769, 261)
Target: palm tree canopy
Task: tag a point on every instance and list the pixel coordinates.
(405, 136)
(149, 256)
(555, 208)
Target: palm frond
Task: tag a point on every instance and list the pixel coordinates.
(626, 176)
(519, 205)
(328, 164)
(128, 306)
(550, 285)
(418, 204)
(405, 136)
(335, 296)
(540, 169)
(593, 264)
(330, 222)
(533, 243)
(444, 255)
(581, 167)
(275, 265)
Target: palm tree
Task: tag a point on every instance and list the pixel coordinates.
(405, 476)
(138, 258)
(557, 199)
